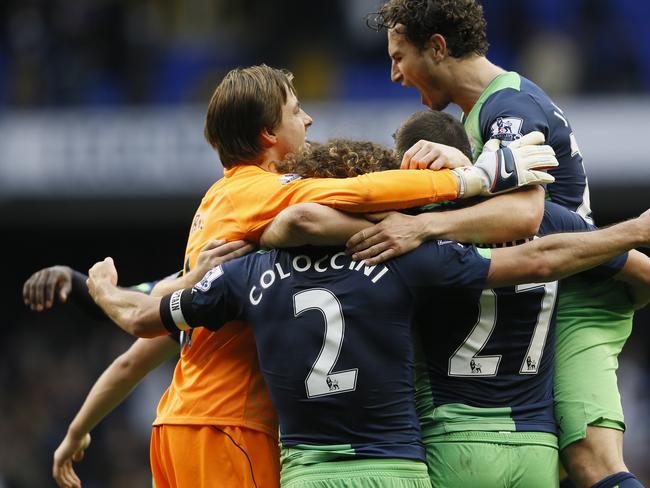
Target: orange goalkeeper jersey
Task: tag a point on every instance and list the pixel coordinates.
(217, 380)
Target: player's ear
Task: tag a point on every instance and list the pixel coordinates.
(268, 138)
(437, 46)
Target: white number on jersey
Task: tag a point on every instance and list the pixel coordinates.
(466, 360)
(321, 379)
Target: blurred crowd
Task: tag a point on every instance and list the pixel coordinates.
(60, 53)
(104, 52)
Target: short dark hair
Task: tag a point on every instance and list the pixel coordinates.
(460, 22)
(339, 158)
(244, 103)
(434, 126)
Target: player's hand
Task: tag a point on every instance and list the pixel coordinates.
(509, 167)
(431, 155)
(394, 235)
(101, 274)
(214, 253)
(70, 449)
(217, 252)
(41, 288)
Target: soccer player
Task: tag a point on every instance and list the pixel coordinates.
(218, 402)
(439, 48)
(64, 284)
(339, 377)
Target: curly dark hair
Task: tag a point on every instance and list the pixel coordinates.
(339, 158)
(460, 22)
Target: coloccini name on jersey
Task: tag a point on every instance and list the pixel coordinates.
(302, 263)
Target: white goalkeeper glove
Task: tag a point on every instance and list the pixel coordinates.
(508, 168)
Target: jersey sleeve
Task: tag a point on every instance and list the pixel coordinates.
(560, 219)
(385, 190)
(443, 264)
(210, 303)
(509, 114)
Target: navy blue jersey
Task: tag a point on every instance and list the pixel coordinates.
(333, 337)
(512, 106)
(493, 368)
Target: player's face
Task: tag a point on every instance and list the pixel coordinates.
(292, 130)
(412, 67)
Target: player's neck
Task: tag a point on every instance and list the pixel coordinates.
(473, 75)
(267, 161)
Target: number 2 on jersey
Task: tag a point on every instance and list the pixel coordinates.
(321, 379)
(466, 360)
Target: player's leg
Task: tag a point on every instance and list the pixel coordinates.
(362, 473)
(213, 457)
(591, 331)
(492, 460)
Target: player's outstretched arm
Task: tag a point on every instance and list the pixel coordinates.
(557, 256)
(135, 312)
(396, 233)
(214, 253)
(110, 389)
(47, 284)
(636, 275)
(313, 224)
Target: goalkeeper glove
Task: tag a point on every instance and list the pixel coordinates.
(508, 168)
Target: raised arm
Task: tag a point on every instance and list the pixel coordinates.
(44, 287)
(136, 313)
(494, 173)
(557, 256)
(110, 389)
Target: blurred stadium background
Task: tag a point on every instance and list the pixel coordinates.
(101, 153)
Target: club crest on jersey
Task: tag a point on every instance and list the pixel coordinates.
(507, 129)
(288, 178)
(197, 223)
(208, 278)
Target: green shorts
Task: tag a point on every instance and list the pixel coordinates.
(493, 460)
(359, 473)
(593, 322)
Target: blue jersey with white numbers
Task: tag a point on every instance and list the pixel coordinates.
(512, 106)
(334, 337)
(492, 370)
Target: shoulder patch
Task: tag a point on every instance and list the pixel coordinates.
(288, 178)
(506, 129)
(208, 279)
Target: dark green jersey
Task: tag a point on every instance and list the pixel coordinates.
(512, 106)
